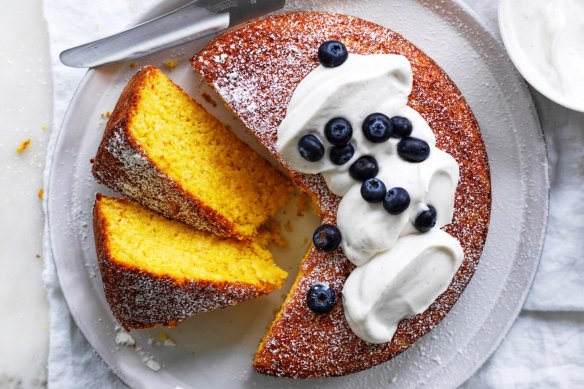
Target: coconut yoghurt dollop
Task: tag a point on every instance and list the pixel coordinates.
(400, 270)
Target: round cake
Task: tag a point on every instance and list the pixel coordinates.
(256, 69)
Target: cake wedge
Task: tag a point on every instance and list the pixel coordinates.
(163, 150)
(160, 271)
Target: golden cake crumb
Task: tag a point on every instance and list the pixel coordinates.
(133, 65)
(302, 205)
(44, 127)
(209, 99)
(41, 193)
(23, 146)
(171, 63)
(270, 234)
(165, 339)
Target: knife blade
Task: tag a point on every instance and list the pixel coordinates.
(195, 20)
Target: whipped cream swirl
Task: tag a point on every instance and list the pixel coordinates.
(361, 86)
(399, 283)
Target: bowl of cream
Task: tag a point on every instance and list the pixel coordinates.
(545, 40)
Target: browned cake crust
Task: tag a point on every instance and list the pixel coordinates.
(122, 165)
(140, 299)
(255, 69)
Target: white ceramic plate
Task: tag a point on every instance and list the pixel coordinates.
(215, 349)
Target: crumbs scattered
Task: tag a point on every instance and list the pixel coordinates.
(170, 63)
(288, 226)
(302, 205)
(125, 339)
(152, 364)
(161, 339)
(44, 127)
(270, 234)
(208, 99)
(106, 115)
(148, 359)
(133, 65)
(38, 256)
(23, 146)
(41, 193)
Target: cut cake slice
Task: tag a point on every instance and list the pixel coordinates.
(160, 271)
(162, 149)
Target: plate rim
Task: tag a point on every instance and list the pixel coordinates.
(451, 4)
(546, 171)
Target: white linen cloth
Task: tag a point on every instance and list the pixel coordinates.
(72, 363)
(545, 347)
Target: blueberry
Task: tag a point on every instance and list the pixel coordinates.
(396, 200)
(321, 298)
(332, 54)
(402, 127)
(327, 238)
(364, 168)
(426, 219)
(338, 131)
(413, 149)
(310, 148)
(340, 155)
(373, 190)
(377, 127)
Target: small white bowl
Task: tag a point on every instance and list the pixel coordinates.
(525, 65)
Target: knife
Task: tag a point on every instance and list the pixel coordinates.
(195, 20)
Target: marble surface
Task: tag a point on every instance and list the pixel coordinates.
(25, 97)
(25, 101)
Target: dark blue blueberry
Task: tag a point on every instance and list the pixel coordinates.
(426, 219)
(413, 149)
(373, 190)
(340, 155)
(396, 200)
(402, 127)
(364, 168)
(332, 54)
(327, 238)
(321, 298)
(338, 131)
(377, 128)
(310, 148)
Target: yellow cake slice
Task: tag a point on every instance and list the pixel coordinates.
(160, 271)
(162, 149)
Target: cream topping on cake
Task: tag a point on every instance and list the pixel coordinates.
(362, 85)
(399, 283)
